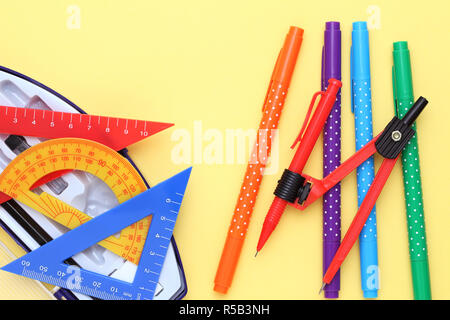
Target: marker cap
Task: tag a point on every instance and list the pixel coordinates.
(421, 280)
(288, 56)
(332, 50)
(360, 51)
(370, 281)
(227, 265)
(402, 70)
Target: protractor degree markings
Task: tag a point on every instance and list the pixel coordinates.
(52, 206)
(112, 240)
(69, 156)
(30, 167)
(43, 210)
(123, 182)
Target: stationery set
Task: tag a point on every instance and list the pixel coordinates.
(91, 227)
(297, 189)
(66, 181)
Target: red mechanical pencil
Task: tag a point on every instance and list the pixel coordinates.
(307, 142)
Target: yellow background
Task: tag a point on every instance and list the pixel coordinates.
(182, 61)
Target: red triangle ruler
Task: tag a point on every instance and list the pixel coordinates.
(116, 133)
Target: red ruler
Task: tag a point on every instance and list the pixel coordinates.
(116, 133)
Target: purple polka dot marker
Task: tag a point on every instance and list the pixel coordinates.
(331, 68)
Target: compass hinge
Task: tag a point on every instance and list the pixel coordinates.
(394, 138)
(292, 186)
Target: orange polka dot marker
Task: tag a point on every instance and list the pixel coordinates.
(272, 107)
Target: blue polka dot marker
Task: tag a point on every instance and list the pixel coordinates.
(362, 109)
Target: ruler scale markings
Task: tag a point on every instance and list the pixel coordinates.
(67, 241)
(119, 138)
(156, 224)
(120, 289)
(63, 126)
(32, 200)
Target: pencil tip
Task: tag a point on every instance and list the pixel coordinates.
(256, 253)
(321, 288)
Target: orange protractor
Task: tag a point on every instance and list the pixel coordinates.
(55, 155)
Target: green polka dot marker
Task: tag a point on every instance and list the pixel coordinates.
(403, 100)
